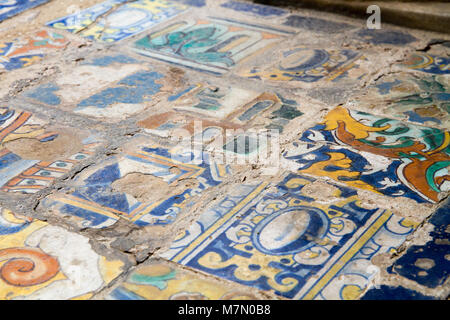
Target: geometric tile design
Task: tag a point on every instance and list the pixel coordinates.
(429, 264)
(97, 202)
(31, 175)
(285, 240)
(377, 154)
(9, 8)
(24, 52)
(41, 261)
(214, 45)
(159, 280)
(115, 20)
(307, 65)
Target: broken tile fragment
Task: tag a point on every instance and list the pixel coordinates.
(308, 65)
(110, 87)
(115, 20)
(160, 280)
(290, 239)
(29, 50)
(316, 24)
(423, 99)
(146, 184)
(429, 264)
(40, 261)
(32, 156)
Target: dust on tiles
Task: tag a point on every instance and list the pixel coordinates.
(114, 124)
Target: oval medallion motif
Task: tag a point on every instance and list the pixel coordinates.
(288, 231)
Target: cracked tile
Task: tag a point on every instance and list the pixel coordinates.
(145, 184)
(160, 280)
(286, 239)
(32, 155)
(10, 8)
(42, 261)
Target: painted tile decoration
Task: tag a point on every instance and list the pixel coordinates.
(159, 280)
(109, 87)
(98, 201)
(290, 242)
(214, 45)
(115, 20)
(9, 8)
(257, 9)
(394, 293)
(24, 52)
(385, 36)
(308, 65)
(41, 261)
(427, 63)
(429, 264)
(217, 109)
(316, 24)
(26, 175)
(377, 154)
(424, 99)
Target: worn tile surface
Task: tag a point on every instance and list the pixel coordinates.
(124, 186)
(377, 154)
(159, 280)
(300, 247)
(29, 50)
(42, 261)
(33, 156)
(115, 20)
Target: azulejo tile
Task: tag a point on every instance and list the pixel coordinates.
(424, 99)
(160, 280)
(378, 154)
(32, 156)
(41, 261)
(27, 51)
(384, 36)
(316, 24)
(107, 87)
(115, 20)
(427, 63)
(145, 184)
(211, 45)
(429, 264)
(9, 8)
(308, 65)
(223, 107)
(257, 9)
(385, 292)
(290, 239)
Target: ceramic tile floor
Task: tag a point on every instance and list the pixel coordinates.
(136, 139)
